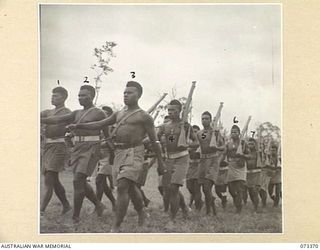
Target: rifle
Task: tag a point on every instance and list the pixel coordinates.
(267, 152)
(154, 106)
(243, 132)
(156, 115)
(182, 137)
(259, 160)
(279, 155)
(213, 142)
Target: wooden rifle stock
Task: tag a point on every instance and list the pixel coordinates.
(213, 141)
(243, 132)
(182, 137)
(259, 160)
(154, 106)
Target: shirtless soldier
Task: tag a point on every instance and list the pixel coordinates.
(55, 151)
(253, 174)
(105, 168)
(236, 170)
(178, 159)
(133, 124)
(86, 151)
(209, 162)
(192, 175)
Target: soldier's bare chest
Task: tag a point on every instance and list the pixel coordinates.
(204, 136)
(84, 116)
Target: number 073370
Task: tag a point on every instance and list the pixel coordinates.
(309, 245)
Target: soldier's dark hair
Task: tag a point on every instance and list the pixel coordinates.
(135, 85)
(177, 103)
(195, 127)
(252, 140)
(61, 90)
(90, 89)
(207, 113)
(107, 109)
(236, 127)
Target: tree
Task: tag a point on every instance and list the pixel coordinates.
(102, 67)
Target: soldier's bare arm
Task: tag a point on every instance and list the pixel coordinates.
(68, 118)
(149, 127)
(95, 125)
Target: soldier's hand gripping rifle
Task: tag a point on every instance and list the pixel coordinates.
(213, 142)
(182, 137)
(243, 133)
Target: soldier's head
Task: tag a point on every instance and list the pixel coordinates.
(59, 95)
(132, 93)
(252, 144)
(274, 149)
(195, 128)
(86, 95)
(235, 132)
(174, 109)
(166, 119)
(107, 110)
(206, 119)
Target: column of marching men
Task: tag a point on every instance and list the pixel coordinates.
(121, 147)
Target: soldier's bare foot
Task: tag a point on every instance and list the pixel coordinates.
(66, 209)
(115, 229)
(99, 209)
(142, 218)
(75, 219)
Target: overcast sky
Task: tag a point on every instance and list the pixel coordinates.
(228, 49)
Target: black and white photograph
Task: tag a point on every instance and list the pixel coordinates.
(160, 118)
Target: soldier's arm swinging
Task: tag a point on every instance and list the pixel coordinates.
(149, 126)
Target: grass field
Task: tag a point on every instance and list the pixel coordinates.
(268, 221)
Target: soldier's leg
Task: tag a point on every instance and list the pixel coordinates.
(278, 194)
(79, 182)
(48, 190)
(61, 194)
(263, 196)
(174, 200)
(121, 203)
(190, 187)
(100, 180)
(209, 200)
(254, 196)
(137, 200)
(245, 194)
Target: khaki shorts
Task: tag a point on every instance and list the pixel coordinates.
(222, 177)
(128, 163)
(54, 157)
(177, 171)
(236, 171)
(193, 169)
(84, 157)
(208, 169)
(265, 179)
(253, 179)
(276, 177)
(104, 166)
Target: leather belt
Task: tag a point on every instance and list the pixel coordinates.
(80, 138)
(50, 140)
(194, 160)
(251, 171)
(177, 155)
(122, 145)
(207, 156)
(223, 169)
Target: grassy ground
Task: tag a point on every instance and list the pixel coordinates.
(268, 221)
